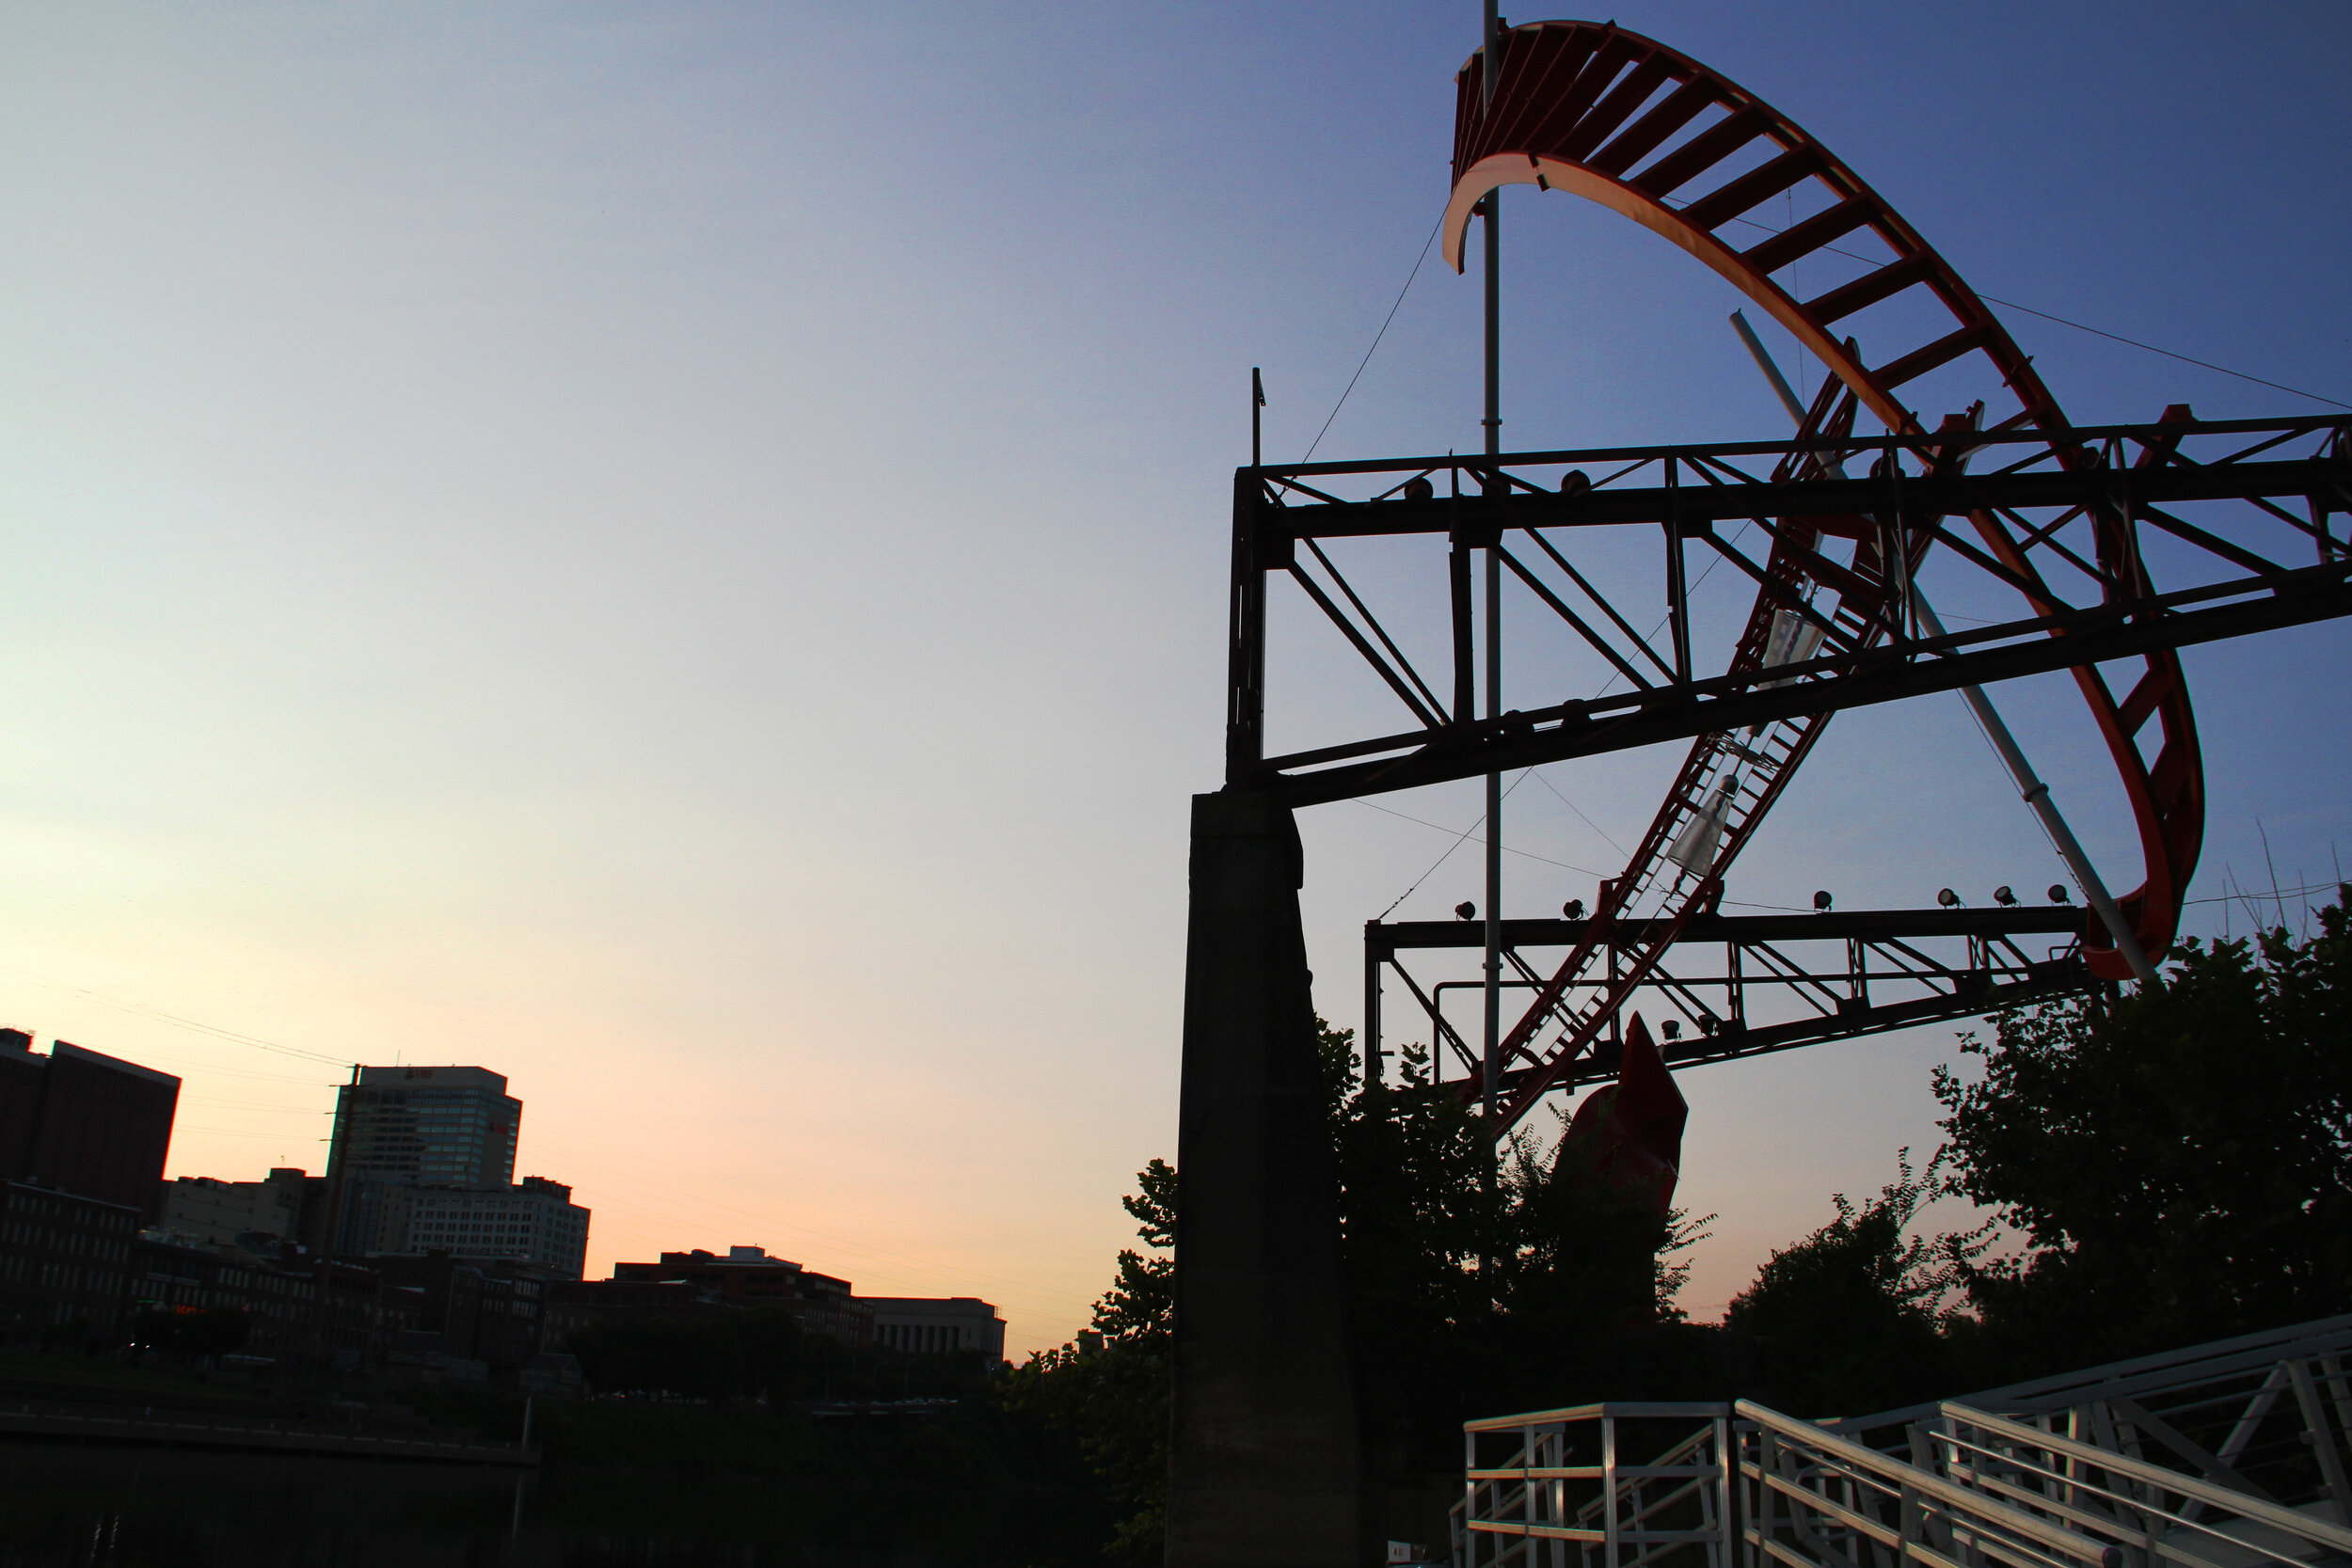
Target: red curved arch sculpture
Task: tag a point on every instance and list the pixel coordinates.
(1657, 137)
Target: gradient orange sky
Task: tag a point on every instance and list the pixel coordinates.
(676, 554)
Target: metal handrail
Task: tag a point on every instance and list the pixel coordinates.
(2166, 1369)
(1941, 1522)
(1516, 1506)
(2065, 1479)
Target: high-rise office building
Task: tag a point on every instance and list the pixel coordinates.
(403, 1127)
(81, 1122)
(446, 1126)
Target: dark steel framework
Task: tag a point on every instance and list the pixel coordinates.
(2003, 498)
(2237, 501)
(1839, 975)
(1284, 516)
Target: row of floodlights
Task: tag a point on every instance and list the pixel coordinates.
(1418, 488)
(1951, 900)
(2003, 895)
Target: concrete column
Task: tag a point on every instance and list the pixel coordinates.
(1263, 1465)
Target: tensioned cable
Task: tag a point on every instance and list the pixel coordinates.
(2094, 331)
(1508, 849)
(1580, 816)
(1463, 838)
(1375, 339)
(2184, 359)
(1450, 848)
(228, 1035)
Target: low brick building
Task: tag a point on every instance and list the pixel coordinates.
(477, 1310)
(574, 1304)
(63, 1263)
(208, 1212)
(747, 1277)
(279, 1300)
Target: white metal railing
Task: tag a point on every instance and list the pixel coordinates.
(2152, 1513)
(1809, 1498)
(2226, 1456)
(2267, 1416)
(1553, 1488)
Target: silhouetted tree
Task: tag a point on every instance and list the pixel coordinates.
(1109, 1387)
(1850, 1320)
(722, 1355)
(1479, 1280)
(2178, 1160)
(1472, 1284)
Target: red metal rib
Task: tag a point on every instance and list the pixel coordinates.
(1567, 88)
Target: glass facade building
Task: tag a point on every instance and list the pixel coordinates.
(443, 1126)
(400, 1127)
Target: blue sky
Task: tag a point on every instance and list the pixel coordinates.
(677, 552)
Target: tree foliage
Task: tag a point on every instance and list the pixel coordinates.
(1478, 1279)
(1852, 1318)
(2180, 1161)
(1109, 1387)
(721, 1356)
(1469, 1280)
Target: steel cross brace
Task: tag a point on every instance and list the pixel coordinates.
(2260, 592)
(1996, 973)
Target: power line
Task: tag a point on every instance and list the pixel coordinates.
(1458, 841)
(1466, 832)
(229, 1035)
(2276, 893)
(2094, 331)
(1376, 337)
(2184, 359)
(1580, 814)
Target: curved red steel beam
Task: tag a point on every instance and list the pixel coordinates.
(1623, 120)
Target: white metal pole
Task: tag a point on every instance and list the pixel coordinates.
(2034, 793)
(1492, 67)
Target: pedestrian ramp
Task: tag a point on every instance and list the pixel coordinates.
(2225, 1455)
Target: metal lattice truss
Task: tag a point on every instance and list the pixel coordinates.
(1818, 977)
(2223, 1455)
(2115, 546)
(2248, 512)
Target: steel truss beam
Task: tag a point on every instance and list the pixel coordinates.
(1892, 969)
(1918, 489)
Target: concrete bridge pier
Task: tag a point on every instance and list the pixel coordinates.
(1263, 1460)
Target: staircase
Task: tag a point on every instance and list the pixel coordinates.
(2224, 1455)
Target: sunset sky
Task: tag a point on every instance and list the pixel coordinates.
(677, 553)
